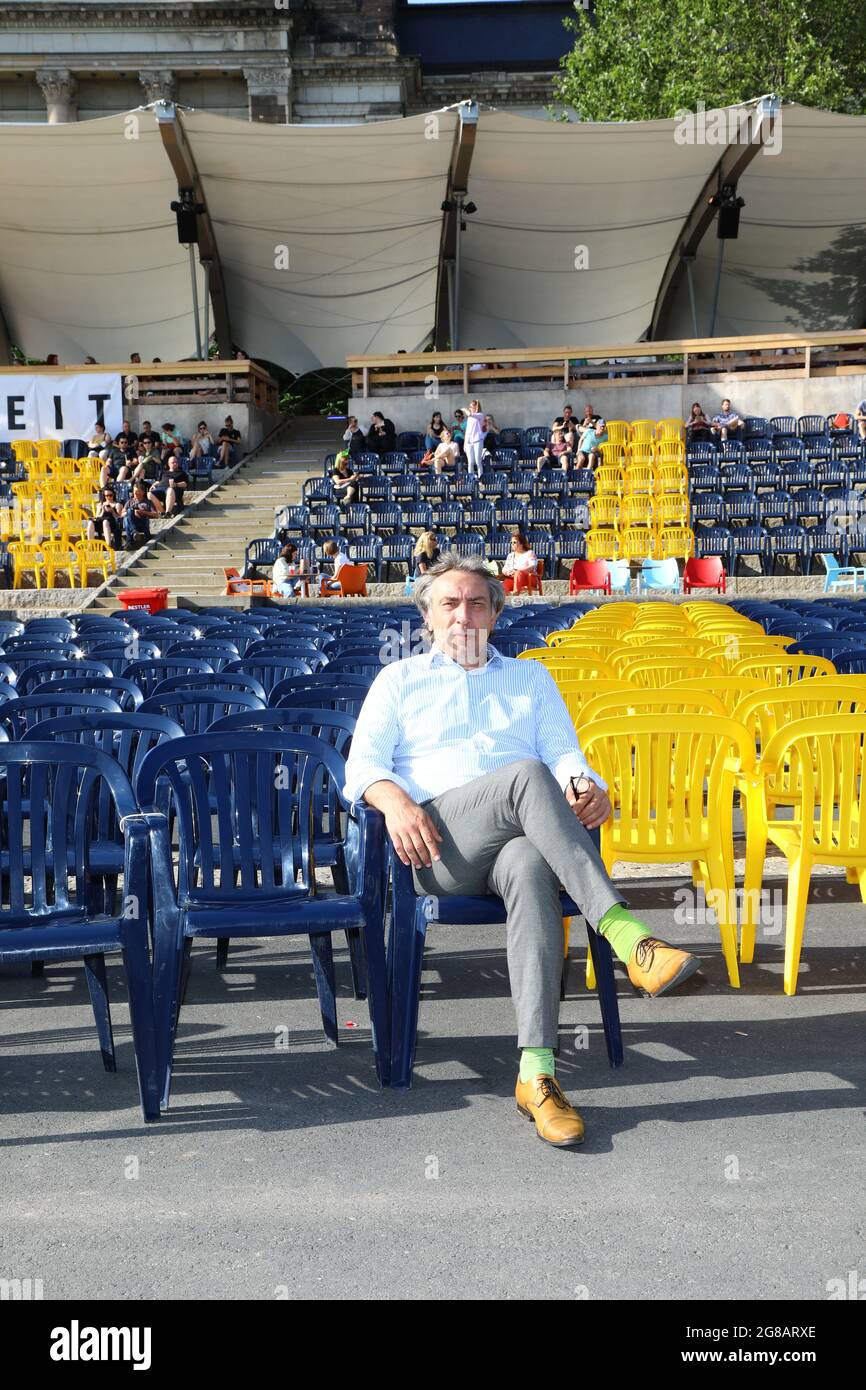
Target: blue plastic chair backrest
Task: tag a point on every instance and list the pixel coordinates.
(322, 684)
(28, 677)
(10, 627)
(18, 715)
(196, 710)
(345, 696)
(219, 654)
(660, 574)
(281, 645)
(7, 691)
(125, 738)
(51, 793)
(121, 654)
(46, 642)
(268, 670)
(231, 680)
(148, 674)
(366, 664)
(263, 786)
(125, 692)
(45, 625)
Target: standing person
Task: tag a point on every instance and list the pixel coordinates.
(353, 436)
(473, 760)
(859, 420)
(473, 439)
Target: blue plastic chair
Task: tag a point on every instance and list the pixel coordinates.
(125, 692)
(50, 790)
(231, 680)
(269, 670)
(217, 654)
(266, 785)
(26, 677)
(841, 578)
(148, 674)
(196, 710)
(659, 574)
(18, 715)
(8, 692)
(405, 959)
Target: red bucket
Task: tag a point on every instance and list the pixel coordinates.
(154, 600)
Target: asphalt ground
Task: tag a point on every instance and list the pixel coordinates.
(724, 1160)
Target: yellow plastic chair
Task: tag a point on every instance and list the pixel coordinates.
(586, 667)
(94, 555)
(47, 449)
(58, 555)
(612, 455)
(657, 672)
(640, 456)
(672, 793)
(638, 543)
(729, 689)
(23, 450)
(637, 509)
(673, 509)
(671, 477)
(824, 758)
(639, 478)
(603, 544)
(25, 557)
(608, 481)
(641, 701)
(784, 670)
(670, 430)
(618, 432)
(675, 543)
(577, 693)
(27, 491)
(593, 649)
(642, 432)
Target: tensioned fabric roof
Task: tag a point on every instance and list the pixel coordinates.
(799, 263)
(329, 236)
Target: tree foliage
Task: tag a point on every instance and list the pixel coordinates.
(647, 59)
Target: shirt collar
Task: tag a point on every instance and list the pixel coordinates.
(436, 657)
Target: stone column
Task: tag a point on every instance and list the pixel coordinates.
(60, 91)
(270, 91)
(159, 84)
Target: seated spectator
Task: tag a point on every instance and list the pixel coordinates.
(860, 420)
(446, 454)
(170, 441)
(491, 440)
(172, 487)
(52, 360)
(106, 524)
(589, 419)
(138, 513)
(556, 454)
(147, 468)
(90, 362)
(148, 435)
(347, 483)
(522, 558)
(427, 552)
(354, 437)
(591, 439)
(99, 443)
(340, 558)
(727, 424)
(434, 431)
(135, 357)
(458, 428)
(203, 443)
(569, 420)
(381, 436)
(697, 426)
(285, 579)
(131, 436)
(228, 443)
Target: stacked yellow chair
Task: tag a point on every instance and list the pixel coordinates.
(646, 462)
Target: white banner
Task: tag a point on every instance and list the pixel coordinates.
(59, 407)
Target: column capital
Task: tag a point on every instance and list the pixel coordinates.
(160, 84)
(60, 90)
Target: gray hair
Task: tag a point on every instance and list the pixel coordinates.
(466, 564)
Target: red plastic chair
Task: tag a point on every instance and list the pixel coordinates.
(525, 581)
(589, 574)
(708, 573)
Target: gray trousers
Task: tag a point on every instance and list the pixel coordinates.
(513, 833)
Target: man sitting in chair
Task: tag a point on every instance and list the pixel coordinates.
(473, 760)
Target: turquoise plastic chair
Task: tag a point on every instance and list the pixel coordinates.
(841, 577)
(660, 574)
(620, 576)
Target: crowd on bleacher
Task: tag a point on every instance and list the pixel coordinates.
(723, 484)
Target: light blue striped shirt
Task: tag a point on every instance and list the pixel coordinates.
(429, 725)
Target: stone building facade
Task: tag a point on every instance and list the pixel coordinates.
(322, 61)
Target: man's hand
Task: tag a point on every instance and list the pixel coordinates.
(592, 807)
(414, 836)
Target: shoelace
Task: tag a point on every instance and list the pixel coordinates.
(550, 1090)
(647, 948)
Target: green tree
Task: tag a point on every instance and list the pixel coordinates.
(637, 60)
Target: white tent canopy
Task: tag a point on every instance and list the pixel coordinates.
(329, 236)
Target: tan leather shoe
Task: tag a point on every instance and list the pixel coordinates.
(556, 1122)
(655, 967)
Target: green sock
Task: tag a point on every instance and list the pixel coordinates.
(536, 1061)
(622, 930)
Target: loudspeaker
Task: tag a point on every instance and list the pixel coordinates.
(187, 224)
(728, 227)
